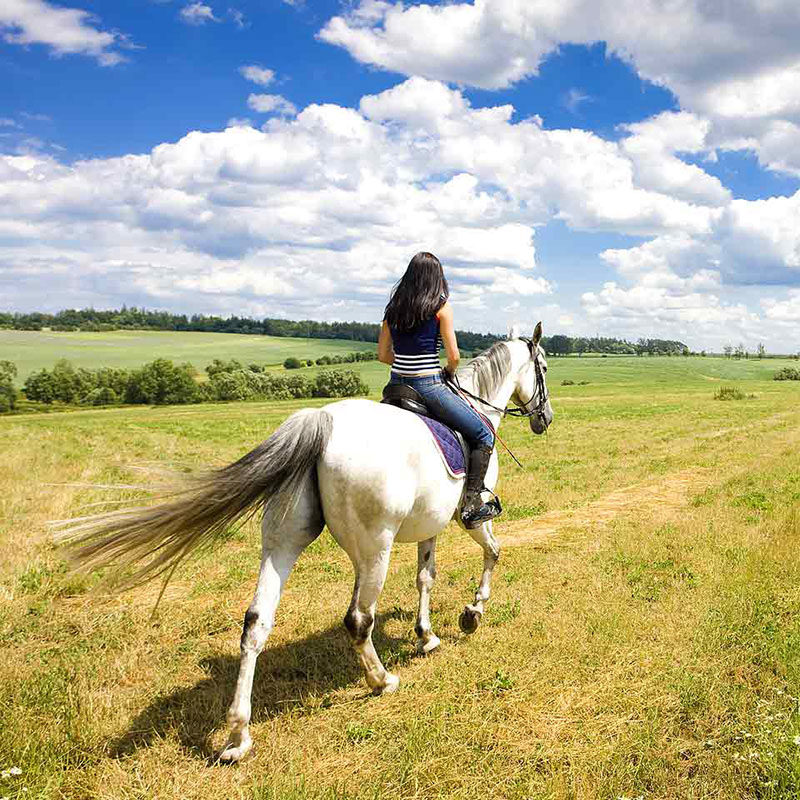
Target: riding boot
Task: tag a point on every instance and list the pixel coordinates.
(474, 511)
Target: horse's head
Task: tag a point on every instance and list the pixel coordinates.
(531, 390)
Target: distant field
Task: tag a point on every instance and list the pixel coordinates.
(642, 639)
(33, 350)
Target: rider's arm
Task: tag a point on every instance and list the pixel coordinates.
(448, 334)
(385, 349)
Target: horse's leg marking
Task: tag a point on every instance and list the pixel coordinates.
(360, 620)
(426, 575)
(280, 552)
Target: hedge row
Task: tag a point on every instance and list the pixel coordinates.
(161, 382)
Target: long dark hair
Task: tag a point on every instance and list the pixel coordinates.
(418, 295)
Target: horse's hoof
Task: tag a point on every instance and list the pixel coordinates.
(233, 755)
(469, 620)
(389, 685)
(425, 647)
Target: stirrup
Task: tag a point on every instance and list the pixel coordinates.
(485, 512)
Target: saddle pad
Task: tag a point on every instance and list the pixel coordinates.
(450, 446)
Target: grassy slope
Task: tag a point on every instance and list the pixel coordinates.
(657, 655)
(33, 350)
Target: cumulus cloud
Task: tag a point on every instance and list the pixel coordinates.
(321, 210)
(271, 104)
(197, 14)
(738, 65)
(260, 75)
(66, 31)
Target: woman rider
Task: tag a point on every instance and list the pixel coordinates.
(417, 318)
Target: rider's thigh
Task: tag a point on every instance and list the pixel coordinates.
(453, 411)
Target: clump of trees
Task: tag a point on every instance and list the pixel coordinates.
(237, 383)
(787, 374)
(561, 345)
(161, 382)
(8, 394)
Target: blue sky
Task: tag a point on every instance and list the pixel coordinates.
(633, 173)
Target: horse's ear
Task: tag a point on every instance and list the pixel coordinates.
(537, 334)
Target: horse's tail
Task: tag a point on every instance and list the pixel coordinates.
(269, 477)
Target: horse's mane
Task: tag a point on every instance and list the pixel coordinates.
(489, 369)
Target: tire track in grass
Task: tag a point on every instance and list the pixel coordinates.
(668, 493)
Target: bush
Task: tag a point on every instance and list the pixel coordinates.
(339, 383)
(292, 363)
(163, 383)
(729, 393)
(787, 374)
(217, 366)
(567, 382)
(8, 394)
(102, 396)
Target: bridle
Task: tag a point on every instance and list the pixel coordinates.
(521, 410)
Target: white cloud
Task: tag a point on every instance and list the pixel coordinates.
(574, 99)
(7, 122)
(320, 211)
(735, 64)
(197, 14)
(271, 104)
(66, 31)
(260, 75)
(238, 18)
(787, 310)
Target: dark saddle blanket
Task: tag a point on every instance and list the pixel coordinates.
(450, 443)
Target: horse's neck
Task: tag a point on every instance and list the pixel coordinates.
(501, 396)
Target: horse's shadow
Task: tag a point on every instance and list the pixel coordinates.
(299, 674)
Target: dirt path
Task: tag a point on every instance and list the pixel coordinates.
(669, 492)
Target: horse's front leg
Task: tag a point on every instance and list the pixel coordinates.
(427, 640)
(471, 615)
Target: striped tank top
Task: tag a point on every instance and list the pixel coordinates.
(416, 352)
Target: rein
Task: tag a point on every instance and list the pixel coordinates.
(511, 411)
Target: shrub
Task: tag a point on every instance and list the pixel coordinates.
(101, 396)
(567, 382)
(163, 383)
(339, 383)
(8, 394)
(217, 366)
(292, 363)
(729, 393)
(787, 374)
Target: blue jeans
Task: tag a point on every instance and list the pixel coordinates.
(450, 409)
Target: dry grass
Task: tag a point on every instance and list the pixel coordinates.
(643, 637)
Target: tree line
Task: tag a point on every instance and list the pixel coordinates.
(89, 319)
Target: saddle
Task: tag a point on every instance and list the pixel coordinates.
(450, 444)
(407, 397)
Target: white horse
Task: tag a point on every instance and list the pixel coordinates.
(371, 472)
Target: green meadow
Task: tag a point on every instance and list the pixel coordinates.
(34, 350)
(642, 639)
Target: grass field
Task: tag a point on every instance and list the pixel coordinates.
(33, 350)
(642, 640)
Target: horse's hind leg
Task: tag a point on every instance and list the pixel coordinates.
(427, 640)
(281, 546)
(360, 618)
(471, 615)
